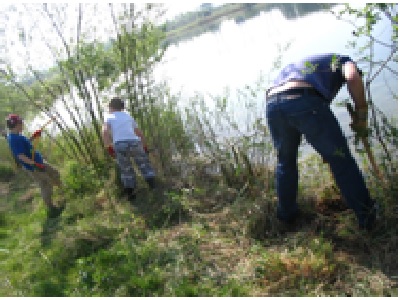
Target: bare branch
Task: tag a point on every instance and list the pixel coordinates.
(78, 31)
(60, 35)
(394, 51)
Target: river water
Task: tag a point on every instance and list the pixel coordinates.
(240, 54)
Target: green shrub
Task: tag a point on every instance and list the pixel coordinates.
(80, 179)
(173, 210)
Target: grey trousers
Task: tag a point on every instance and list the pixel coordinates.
(124, 152)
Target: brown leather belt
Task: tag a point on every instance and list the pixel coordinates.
(301, 91)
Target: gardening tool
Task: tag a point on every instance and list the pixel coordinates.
(36, 135)
(366, 144)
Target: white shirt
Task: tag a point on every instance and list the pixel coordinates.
(122, 126)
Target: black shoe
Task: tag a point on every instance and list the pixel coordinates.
(127, 191)
(54, 212)
(292, 220)
(297, 221)
(151, 182)
(370, 221)
(130, 193)
(132, 197)
(287, 225)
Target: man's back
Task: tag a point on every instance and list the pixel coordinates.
(19, 144)
(322, 71)
(122, 126)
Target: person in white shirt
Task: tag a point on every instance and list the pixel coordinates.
(124, 140)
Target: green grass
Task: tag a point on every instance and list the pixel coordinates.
(188, 241)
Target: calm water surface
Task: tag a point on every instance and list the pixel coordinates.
(238, 55)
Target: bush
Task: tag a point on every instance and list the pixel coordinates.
(81, 179)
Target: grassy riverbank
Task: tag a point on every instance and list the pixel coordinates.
(193, 236)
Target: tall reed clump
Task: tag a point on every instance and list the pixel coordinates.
(232, 135)
(232, 141)
(230, 132)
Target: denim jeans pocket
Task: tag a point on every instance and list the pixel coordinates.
(309, 122)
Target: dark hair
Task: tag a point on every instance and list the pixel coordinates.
(12, 120)
(116, 103)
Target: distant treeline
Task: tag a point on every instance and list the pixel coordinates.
(209, 18)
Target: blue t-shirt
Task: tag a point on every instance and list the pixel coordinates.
(323, 72)
(19, 144)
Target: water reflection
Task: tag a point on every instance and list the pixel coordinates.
(239, 53)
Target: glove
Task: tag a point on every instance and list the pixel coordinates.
(36, 134)
(111, 151)
(39, 167)
(146, 150)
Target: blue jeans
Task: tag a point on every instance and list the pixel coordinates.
(307, 115)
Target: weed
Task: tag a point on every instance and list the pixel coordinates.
(173, 210)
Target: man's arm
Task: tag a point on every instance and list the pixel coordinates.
(107, 137)
(25, 159)
(356, 90)
(355, 85)
(139, 133)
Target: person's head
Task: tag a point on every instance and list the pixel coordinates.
(116, 104)
(14, 123)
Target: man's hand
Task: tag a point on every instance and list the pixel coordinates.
(359, 119)
(36, 134)
(146, 149)
(111, 151)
